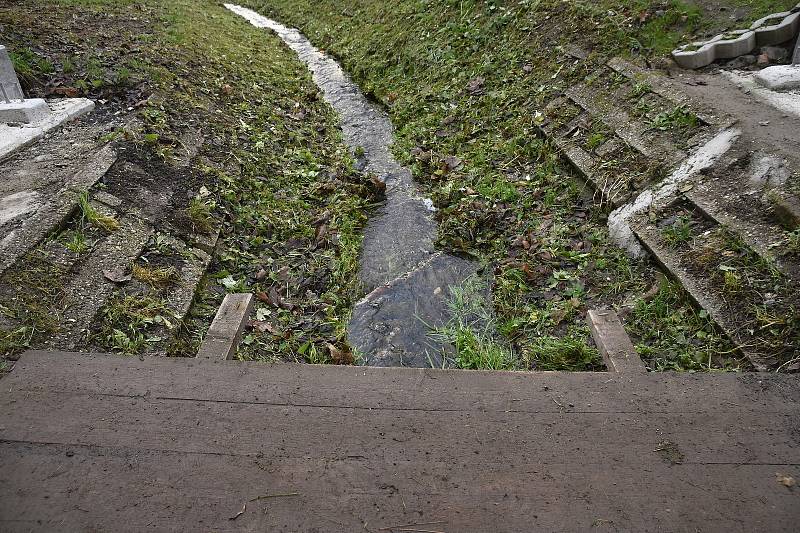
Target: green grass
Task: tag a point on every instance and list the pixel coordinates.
(470, 330)
(464, 79)
(200, 213)
(678, 118)
(267, 178)
(93, 216)
(31, 297)
(75, 241)
(677, 233)
(157, 277)
(563, 353)
(684, 338)
(127, 320)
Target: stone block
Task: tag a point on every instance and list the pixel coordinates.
(24, 111)
(780, 77)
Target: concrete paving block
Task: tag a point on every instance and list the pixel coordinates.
(727, 46)
(14, 138)
(780, 77)
(8, 77)
(777, 28)
(696, 55)
(24, 111)
(770, 30)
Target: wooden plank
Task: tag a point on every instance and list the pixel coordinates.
(89, 442)
(213, 427)
(402, 388)
(74, 488)
(613, 342)
(223, 336)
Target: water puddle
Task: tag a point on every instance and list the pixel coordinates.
(407, 280)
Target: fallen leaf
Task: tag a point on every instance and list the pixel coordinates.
(475, 86)
(451, 163)
(340, 357)
(298, 115)
(274, 298)
(320, 234)
(378, 185)
(69, 92)
(262, 326)
(785, 480)
(421, 155)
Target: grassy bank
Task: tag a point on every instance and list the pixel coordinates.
(463, 81)
(266, 165)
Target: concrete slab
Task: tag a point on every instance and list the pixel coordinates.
(17, 204)
(780, 77)
(38, 195)
(24, 111)
(14, 138)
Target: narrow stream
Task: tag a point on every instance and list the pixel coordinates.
(406, 279)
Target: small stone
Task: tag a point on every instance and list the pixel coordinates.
(776, 54)
(744, 61)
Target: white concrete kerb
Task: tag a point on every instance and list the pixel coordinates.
(703, 158)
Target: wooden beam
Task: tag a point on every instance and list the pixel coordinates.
(614, 344)
(223, 336)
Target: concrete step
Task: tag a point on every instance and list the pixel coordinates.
(89, 288)
(44, 189)
(192, 264)
(747, 298)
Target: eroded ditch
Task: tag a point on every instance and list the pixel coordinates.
(407, 281)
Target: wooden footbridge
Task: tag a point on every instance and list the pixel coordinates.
(110, 443)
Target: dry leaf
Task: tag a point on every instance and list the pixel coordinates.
(785, 480)
(340, 357)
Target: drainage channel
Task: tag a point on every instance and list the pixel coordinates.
(406, 279)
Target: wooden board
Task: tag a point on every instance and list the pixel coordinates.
(613, 342)
(108, 443)
(223, 336)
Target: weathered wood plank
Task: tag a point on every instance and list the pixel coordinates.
(190, 426)
(226, 329)
(405, 388)
(614, 344)
(114, 443)
(69, 488)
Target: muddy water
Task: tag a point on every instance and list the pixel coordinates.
(406, 280)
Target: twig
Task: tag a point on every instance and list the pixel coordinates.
(411, 525)
(790, 361)
(240, 513)
(265, 496)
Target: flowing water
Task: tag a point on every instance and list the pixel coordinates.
(407, 281)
